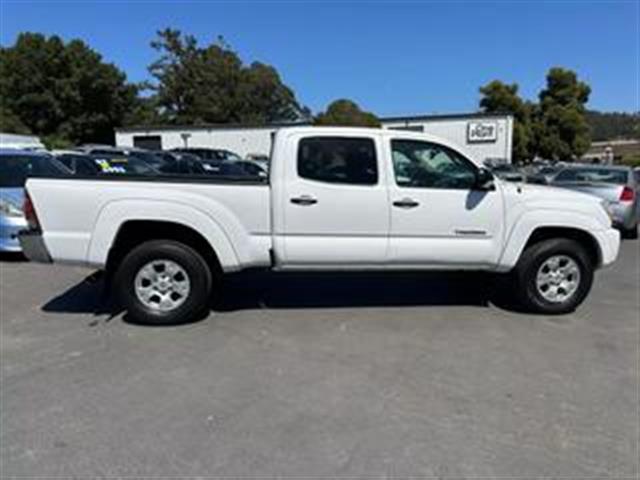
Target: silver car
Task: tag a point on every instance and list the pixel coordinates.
(617, 185)
(15, 167)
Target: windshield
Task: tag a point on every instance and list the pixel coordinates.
(14, 169)
(596, 175)
(153, 159)
(123, 165)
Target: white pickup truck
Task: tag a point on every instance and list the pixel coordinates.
(336, 199)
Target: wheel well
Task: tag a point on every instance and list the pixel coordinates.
(134, 232)
(580, 236)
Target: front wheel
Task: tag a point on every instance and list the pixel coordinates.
(163, 282)
(554, 276)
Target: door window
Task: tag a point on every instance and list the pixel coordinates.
(429, 165)
(338, 160)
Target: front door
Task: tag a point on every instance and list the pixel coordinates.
(437, 217)
(335, 204)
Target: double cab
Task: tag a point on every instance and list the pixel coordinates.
(336, 198)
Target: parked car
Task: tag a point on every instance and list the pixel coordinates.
(260, 159)
(241, 168)
(99, 149)
(333, 201)
(543, 175)
(617, 185)
(210, 154)
(129, 164)
(15, 167)
(183, 164)
(77, 163)
(107, 163)
(508, 173)
(251, 168)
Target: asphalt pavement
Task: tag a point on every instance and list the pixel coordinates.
(368, 376)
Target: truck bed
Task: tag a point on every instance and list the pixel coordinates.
(83, 214)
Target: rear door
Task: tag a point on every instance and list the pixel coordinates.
(334, 202)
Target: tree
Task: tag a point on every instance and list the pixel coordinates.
(10, 123)
(211, 84)
(344, 112)
(561, 129)
(62, 91)
(498, 97)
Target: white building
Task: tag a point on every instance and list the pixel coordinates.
(485, 137)
(22, 142)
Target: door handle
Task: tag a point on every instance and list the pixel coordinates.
(405, 203)
(304, 200)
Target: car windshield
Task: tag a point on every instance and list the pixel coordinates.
(594, 175)
(14, 169)
(233, 157)
(150, 158)
(123, 165)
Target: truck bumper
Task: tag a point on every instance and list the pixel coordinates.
(33, 246)
(609, 241)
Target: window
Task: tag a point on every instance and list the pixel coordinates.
(338, 160)
(16, 168)
(428, 165)
(592, 175)
(148, 142)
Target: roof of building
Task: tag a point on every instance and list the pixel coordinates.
(447, 116)
(210, 126)
(245, 126)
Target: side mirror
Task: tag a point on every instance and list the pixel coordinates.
(484, 180)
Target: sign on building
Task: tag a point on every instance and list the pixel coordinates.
(482, 131)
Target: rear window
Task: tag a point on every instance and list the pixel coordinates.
(338, 160)
(595, 175)
(14, 170)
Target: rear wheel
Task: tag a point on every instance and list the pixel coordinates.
(554, 276)
(163, 282)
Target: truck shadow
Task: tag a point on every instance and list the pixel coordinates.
(277, 290)
(334, 290)
(88, 296)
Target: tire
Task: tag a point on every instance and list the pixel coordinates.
(630, 233)
(150, 283)
(575, 272)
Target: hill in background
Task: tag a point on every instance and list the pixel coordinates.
(613, 125)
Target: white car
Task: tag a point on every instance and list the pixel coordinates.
(336, 199)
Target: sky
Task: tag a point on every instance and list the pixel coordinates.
(392, 58)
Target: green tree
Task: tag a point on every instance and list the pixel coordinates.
(10, 122)
(211, 84)
(561, 130)
(498, 97)
(63, 91)
(344, 112)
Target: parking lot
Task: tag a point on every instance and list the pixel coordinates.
(318, 375)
